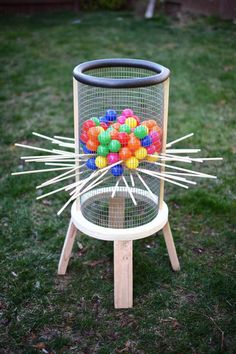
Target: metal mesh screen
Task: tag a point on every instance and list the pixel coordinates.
(97, 205)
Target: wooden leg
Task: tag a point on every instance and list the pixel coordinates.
(171, 247)
(123, 274)
(67, 248)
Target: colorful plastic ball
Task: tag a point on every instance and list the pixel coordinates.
(114, 146)
(114, 134)
(141, 131)
(146, 141)
(125, 153)
(132, 162)
(117, 170)
(102, 150)
(87, 151)
(103, 120)
(157, 129)
(101, 161)
(111, 115)
(90, 163)
(134, 143)
(116, 125)
(96, 120)
(104, 125)
(88, 124)
(110, 129)
(121, 119)
(113, 157)
(123, 138)
(137, 119)
(92, 145)
(149, 123)
(151, 149)
(125, 128)
(155, 136)
(153, 158)
(140, 153)
(94, 132)
(104, 138)
(127, 112)
(131, 122)
(158, 145)
(84, 137)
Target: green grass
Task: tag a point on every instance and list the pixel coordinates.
(188, 312)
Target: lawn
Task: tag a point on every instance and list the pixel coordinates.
(187, 312)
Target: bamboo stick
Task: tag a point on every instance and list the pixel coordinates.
(180, 139)
(129, 190)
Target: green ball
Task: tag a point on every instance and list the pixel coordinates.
(114, 146)
(124, 128)
(141, 131)
(104, 138)
(109, 129)
(102, 150)
(96, 120)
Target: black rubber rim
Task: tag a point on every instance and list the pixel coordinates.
(160, 73)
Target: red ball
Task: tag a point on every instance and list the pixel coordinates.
(84, 137)
(88, 124)
(123, 138)
(104, 125)
(158, 146)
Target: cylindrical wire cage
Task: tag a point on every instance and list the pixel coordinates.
(118, 84)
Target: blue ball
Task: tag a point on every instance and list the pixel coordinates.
(111, 115)
(87, 151)
(103, 119)
(117, 170)
(90, 163)
(146, 141)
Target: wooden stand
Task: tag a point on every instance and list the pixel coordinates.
(123, 248)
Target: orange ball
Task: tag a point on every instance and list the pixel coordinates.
(114, 134)
(134, 144)
(125, 153)
(92, 145)
(157, 129)
(94, 132)
(116, 126)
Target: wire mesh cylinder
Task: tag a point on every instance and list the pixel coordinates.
(118, 84)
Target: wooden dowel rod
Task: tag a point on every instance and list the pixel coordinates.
(177, 140)
(40, 171)
(116, 186)
(35, 148)
(146, 186)
(162, 178)
(132, 179)
(129, 190)
(183, 151)
(63, 138)
(59, 176)
(181, 169)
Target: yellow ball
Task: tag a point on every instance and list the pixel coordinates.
(101, 129)
(140, 153)
(101, 161)
(153, 158)
(131, 122)
(132, 162)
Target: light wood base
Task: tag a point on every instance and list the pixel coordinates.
(171, 247)
(123, 257)
(123, 274)
(67, 248)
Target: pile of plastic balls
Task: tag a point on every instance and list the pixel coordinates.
(113, 138)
